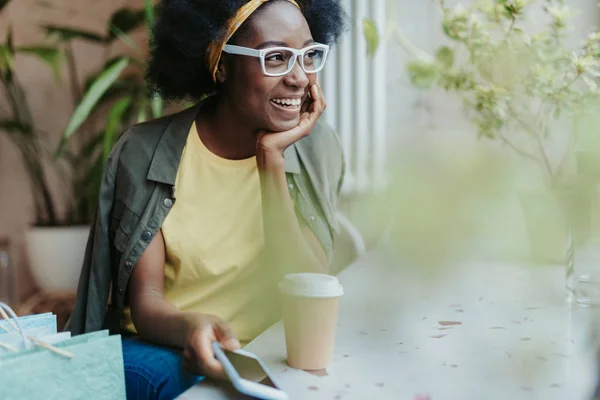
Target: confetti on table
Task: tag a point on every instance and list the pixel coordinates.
(313, 388)
(525, 339)
(438, 336)
(449, 323)
(497, 327)
(422, 397)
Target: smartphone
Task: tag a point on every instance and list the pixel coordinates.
(248, 374)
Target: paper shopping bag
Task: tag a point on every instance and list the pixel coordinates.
(46, 320)
(95, 371)
(12, 341)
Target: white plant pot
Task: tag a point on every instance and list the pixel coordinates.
(55, 256)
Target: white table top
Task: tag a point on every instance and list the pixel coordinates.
(478, 331)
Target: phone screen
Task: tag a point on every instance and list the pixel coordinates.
(249, 368)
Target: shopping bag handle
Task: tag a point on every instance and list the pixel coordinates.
(16, 326)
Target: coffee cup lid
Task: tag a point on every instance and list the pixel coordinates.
(311, 285)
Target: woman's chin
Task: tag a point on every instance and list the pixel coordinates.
(284, 125)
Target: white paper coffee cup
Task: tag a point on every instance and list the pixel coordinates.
(310, 307)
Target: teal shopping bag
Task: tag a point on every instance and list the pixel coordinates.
(14, 340)
(45, 320)
(95, 371)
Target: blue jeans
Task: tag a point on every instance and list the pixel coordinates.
(154, 372)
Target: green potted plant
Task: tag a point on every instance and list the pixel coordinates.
(117, 93)
(18, 123)
(513, 84)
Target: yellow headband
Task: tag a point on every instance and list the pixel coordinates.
(215, 48)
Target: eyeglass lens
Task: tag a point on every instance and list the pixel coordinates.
(280, 61)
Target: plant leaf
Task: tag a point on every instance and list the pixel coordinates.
(157, 106)
(93, 94)
(149, 16)
(371, 36)
(50, 55)
(65, 34)
(125, 38)
(9, 40)
(124, 21)
(126, 80)
(445, 56)
(14, 126)
(3, 3)
(7, 62)
(422, 73)
(114, 122)
(142, 113)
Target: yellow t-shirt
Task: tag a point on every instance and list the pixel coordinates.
(214, 241)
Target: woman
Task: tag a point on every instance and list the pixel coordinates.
(202, 212)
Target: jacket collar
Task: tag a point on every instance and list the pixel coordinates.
(167, 156)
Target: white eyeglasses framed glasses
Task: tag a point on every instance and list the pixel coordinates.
(279, 61)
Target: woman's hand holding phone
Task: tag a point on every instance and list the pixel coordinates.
(201, 331)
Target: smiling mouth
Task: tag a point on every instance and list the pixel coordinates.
(287, 104)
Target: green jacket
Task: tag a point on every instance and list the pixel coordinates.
(138, 190)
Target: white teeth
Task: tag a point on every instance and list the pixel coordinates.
(288, 102)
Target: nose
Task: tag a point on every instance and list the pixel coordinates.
(297, 77)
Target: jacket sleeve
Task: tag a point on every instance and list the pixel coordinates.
(95, 279)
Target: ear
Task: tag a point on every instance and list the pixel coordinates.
(221, 72)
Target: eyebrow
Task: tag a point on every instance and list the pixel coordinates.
(272, 43)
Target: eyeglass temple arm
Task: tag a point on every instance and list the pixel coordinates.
(243, 51)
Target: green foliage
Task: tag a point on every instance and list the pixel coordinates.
(98, 88)
(63, 34)
(371, 36)
(3, 4)
(512, 82)
(19, 124)
(422, 74)
(50, 55)
(125, 21)
(118, 87)
(149, 8)
(7, 61)
(115, 117)
(445, 56)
